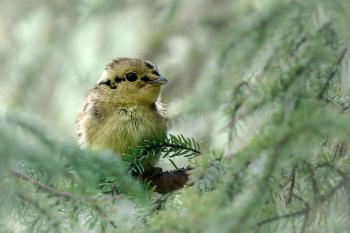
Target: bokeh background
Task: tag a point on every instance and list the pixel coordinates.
(52, 53)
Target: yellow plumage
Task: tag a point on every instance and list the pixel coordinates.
(123, 109)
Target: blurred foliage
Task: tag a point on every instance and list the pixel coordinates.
(264, 82)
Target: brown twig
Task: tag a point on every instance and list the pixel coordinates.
(292, 184)
(42, 186)
(167, 181)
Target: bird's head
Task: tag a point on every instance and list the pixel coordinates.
(130, 81)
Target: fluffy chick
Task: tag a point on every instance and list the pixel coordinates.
(124, 107)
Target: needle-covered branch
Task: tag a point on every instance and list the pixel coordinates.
(164, 146)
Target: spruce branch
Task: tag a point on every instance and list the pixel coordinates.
(164, 146)
(65, 195)
(55, 223)
(307, 209)
(303, 211)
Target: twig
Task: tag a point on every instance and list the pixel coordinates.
(304, 211)
(332, 73)
(339, 150)
(176, 146)
(163, 145)
(42, 186)
(298, 44)
(279, 217)
(292, 184)
(168, 181)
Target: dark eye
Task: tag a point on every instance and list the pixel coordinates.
(145, 79)
(131, 77)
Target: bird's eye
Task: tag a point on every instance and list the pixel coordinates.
(145, 79)
(131, 77)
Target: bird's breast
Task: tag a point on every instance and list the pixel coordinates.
(127, 127)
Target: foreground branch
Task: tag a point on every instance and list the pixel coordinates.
(42, 186)
(305, 211)
(58, 194)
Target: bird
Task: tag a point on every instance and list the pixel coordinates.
(124, 108)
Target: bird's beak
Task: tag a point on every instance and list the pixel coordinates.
(159, 80)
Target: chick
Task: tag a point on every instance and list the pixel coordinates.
(124, 107)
